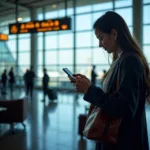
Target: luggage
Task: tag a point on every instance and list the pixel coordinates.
(82, 121)
(52, 94)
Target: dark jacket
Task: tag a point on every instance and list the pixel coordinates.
(128, 103)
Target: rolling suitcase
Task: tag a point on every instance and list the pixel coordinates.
(81, 124)
(52, 94)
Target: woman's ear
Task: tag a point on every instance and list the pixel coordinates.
(114, 34)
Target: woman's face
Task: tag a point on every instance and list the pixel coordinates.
(107, 41)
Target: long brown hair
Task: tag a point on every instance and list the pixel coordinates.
(111, 20)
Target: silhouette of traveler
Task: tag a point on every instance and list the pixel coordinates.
(93, 75)
(45, 81)
(26, 79)
(30, 81)
(130, 71)
(11, 79)
(4, 82)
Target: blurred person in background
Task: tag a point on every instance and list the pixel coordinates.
(93, 75)
(45, 81)
(11, 79)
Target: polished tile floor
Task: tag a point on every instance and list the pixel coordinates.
(50, 125)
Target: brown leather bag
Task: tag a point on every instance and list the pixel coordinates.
(100, 126)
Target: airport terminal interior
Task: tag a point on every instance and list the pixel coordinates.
(57, 34)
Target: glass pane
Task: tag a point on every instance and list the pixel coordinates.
(61, 13)
(51, 15)
(70, 11)
(146, 14)
(100, 56)
(146, 39)
(123, 3)
(83, 9)
(40, 42)
(51, 57)
(102, 6)
(66, 57)
(12, 37)
(126, 14)
(13, 56)
(84, 69)
(83, 39)
(24, 58)
(83, 22)
(83, 56)
(131, 30)
(95, 40)
(26, 35)
(7, 57)
(12, 45)
(97, 15)
(24, 44)
(40, 57)
(146, 1)
(40, 16)
(147, 52)
(66, 41)
(51, 42)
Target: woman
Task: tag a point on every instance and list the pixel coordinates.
(131, 69)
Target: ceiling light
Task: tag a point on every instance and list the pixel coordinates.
(54, 6)
(19, 19)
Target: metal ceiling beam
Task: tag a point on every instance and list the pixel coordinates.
(13, 5)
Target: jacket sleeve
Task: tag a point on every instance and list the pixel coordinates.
(125, 101)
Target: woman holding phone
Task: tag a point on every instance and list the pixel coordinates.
(134, 84)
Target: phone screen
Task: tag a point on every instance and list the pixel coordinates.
(68, 72)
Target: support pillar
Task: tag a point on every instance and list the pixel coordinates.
(138, 21)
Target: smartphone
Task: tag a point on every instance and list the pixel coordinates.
(68, 72)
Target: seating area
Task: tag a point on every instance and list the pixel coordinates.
(16, 111)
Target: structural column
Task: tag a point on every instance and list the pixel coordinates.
(34, 50)
(74, 36)
(138, 21)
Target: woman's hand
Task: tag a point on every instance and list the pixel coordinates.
(82, 83)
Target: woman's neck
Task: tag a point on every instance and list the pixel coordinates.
(119, 51)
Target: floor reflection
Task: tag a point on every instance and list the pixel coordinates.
(50, 125)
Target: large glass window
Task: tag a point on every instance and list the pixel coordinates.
(146, 34)
(24, 58)
(51, 42)
(66, 57)
(146, 1)
(126, 13)
(147, 53)
(83, 9)
(123, 3)
(12, 45)
(100, 56)
(84, 56)
(83, 39)
(102, 6)
(83, 22)
(51, 57)
(146, 14)
(65, 40)
(24, 44)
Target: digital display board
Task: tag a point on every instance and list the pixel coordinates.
(3, 37)
(41, 26)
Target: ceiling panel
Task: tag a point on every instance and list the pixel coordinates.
(8, 6)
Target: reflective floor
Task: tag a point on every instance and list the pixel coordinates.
(50, 125)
